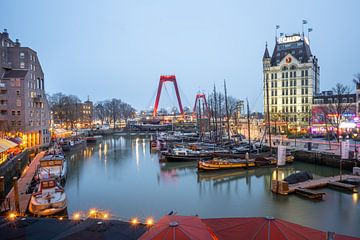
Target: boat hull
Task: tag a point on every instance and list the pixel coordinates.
(185, 158)
(210, 166)
(46, 209)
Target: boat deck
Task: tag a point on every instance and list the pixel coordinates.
(284, 188)
(318, 183)
(23, 183)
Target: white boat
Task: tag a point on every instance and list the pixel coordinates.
(53, 166)
(48, 199)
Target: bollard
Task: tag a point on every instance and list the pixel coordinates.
(2, 187)
(16, 195)
(19, 167)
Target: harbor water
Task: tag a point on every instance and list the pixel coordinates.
(121, 175)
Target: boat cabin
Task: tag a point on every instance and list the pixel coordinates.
(52, 161)
(47, 184)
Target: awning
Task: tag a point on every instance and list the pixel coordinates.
(179, 228)
(267, 228)
(6, 144)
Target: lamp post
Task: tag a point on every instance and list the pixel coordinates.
(356, 150)
(340, 138)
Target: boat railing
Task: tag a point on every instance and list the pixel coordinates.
(5, 205)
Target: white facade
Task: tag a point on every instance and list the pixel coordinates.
(291, 78)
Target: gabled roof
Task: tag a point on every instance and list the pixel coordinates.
(299, 49)
(19, 73)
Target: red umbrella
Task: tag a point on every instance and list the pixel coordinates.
(265, 229)
(179, 228)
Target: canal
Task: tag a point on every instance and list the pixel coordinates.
(122, 176)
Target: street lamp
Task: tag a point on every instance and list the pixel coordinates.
(356, 151)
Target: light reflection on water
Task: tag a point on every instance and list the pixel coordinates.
(121, 175)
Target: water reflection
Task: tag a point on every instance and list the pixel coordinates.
(122, 175)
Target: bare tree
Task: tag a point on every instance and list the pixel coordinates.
(100, 111)
(334, 112)
(113, 110)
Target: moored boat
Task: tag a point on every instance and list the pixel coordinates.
(68, 145)
(221, 164)
(48, 199)
(184, 154)
(94, 139)
(53, 166)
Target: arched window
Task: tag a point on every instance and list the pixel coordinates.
(284, 68)
(293, 67)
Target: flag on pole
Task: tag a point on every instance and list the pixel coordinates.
(281, 34)
(310, 29)
(281, 158)
(304, 22)
(277, 26)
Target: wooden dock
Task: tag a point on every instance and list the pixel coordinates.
(23, 183)
(285, 189)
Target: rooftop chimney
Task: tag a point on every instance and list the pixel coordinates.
(17, 43)
(6, 34)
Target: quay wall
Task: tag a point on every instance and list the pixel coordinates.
(324, 159)
(14, 168)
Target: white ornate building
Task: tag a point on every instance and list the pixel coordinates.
(291, 79)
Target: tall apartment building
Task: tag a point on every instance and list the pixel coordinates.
(24, 110)
(291, 79)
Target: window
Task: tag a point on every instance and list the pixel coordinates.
(306, 82)
(18, 103)
(351, 100)
(306, 72)
(22, 65)
(13, 112)
(17, 92)
(294, 74)
(17, 82)
(18, 113)
(22, 55)
(329, 100)
(344, 100)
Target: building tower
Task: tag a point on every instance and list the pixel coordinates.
(293, 77)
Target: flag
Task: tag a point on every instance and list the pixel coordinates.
(281, 34)
(305, 22)
(310, 29)
(277, 26)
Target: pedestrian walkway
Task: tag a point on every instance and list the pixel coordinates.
(23, 183)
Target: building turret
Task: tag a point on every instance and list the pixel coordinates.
(266, 59)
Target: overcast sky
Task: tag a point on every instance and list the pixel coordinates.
(119, 49)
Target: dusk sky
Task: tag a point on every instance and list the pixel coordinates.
(119, 49)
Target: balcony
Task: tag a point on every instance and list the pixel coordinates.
(37, 98)
(3, 107)
(3, 115)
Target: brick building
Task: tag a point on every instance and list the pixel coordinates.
(24, 110)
